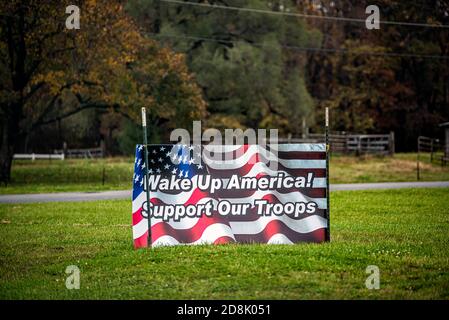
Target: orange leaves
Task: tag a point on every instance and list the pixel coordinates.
(107, 61)
(53, 78)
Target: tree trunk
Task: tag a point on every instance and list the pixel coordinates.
(6, 151)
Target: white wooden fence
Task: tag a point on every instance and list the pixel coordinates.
(38, 156)
(83, 153)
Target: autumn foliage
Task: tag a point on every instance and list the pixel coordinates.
(49, 73)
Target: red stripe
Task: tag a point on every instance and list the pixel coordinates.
(185, 235)
(224, 240)
(137, 216)
(142, 241)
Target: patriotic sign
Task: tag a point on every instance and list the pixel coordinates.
(221, 194)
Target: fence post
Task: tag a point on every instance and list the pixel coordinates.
(417, 162)
(103, 175)
(359, 146)
(346, 149)
(103, 148)
(368, 146)
(391, 145)
(328, 232)
(431, 150)
(145, 142)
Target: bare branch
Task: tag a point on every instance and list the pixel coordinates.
(90, 105)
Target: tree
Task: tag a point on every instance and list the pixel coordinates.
(242, 60)
(363, 88)
(382, 93)
(49, 73)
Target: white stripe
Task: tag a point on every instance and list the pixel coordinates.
(140, 228)
(165, 241)
(138, 202)
(305, 225)
(279, 238)
(319, 183)
(306, 147)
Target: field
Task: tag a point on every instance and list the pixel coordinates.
(70, 175)
(116, 173)
(400, 167)
(403, 232)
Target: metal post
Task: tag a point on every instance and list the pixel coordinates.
(103, 174)
(328, 230)
(145, 143)
(417, 162)
(431, 150)
(391, 144)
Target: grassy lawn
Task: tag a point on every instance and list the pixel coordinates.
(400, 167)
(70, 175)
(87, 174)
(403, 232)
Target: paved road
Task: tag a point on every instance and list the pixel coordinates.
(65, 196)
(126, 194)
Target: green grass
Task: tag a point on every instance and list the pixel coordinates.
(87, 175)
(70, 175)
(400, 167)
(403, 232)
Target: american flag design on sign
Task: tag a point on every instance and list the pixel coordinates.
(256, 225)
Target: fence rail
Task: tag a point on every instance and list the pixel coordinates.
(433, 147)
(380, 144)
(82, 153)
(426, 144)
(38, 156)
